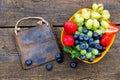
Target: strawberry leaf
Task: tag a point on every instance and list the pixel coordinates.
(67, 49)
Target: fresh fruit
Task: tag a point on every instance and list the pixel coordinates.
(83, 52)
(60, 60)
(89, 49)
(95, 51)
(106, 40)
(70, 27)
(68, 40)
(85, 31)
(89, 23)
(95, 35)
(112, 29)
(83, 57)
(86, 38)
(76, 36)
(81, 38)
(73, 64)
(28, 62)
(104, 24)
(91, 59)
(58, 55)
(49, 67)
(83, 46)
(89, 55)
(89, 34)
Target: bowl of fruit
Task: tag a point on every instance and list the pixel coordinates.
(88, 34)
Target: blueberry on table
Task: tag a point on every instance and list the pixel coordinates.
(28, 62)
(58, 55)
(86, 38)
(60, 60)
(83, 57)
(76, 36)
(73, 64)
(85, 31)
(89, 49)
(83, 46)
(81, 38)
(91, 59)
(49, 67)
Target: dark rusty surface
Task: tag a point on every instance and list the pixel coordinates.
(37, 44)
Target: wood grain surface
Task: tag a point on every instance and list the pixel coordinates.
(56, 12)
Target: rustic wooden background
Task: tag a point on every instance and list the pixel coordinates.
(56, 12)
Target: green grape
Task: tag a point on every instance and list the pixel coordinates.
(105, 12)
(84, 11)
(104, 24)
(87, 45)
(89, 23)
(94, 6)
(79, 21)
(100, 9)
(100, 5)
(82, 34)
(89, 55)
(83, 52)
(80, 29)
(95, 51)
(105, 16)
(102, 29)
(95, 23)
(89, 34)
(77, 15)
(77, 32)
(77, 47)
(93, 56)
(86, 15)
(99, 31)
(95, 15)
(97, 41)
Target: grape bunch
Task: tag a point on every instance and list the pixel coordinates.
(94, 19)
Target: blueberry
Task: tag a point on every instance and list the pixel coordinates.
(97, 46)
(76, 36)
(85, 31)
(73, 64)
(76, 42)
(98, 55)
(103, 48)
(83, 46)
(91, 40)
(95, 35)
(92, 44)
(60, 60)
(82, 57)
(91, 59)
(28, 62)
(49, 67)
(89, 49)
(80, 42)
(100, 36)
(86, 38)
(58, 55)
(81, 38)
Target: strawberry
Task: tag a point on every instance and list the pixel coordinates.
(70, 27)
(113, 29)
(68, 40)
(106, 40)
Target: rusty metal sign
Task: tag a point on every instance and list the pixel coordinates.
(36, 45)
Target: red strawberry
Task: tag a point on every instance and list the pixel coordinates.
(68, 40)
(112, 29)
(70, 27)
(106, 40)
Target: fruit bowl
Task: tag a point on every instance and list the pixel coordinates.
(103, 53)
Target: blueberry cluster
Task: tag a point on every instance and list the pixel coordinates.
(88, 43)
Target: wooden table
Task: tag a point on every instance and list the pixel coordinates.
(56, 12)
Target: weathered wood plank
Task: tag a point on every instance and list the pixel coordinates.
(10, 69)
(55, 11)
